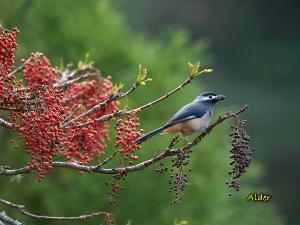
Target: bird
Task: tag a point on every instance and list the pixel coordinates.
(191, 118)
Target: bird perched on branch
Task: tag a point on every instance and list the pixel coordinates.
(191, 118)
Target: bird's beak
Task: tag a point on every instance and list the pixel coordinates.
(220, 97)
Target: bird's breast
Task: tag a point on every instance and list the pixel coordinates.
(190, 126)
(194, 125)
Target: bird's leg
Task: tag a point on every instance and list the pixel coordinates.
(184, 138)
(205, 131)
(181, 136)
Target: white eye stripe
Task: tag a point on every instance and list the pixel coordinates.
(205, 98)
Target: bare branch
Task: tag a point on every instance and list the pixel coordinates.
(187, 81)
(23, 210)
(5, 123)
(66, 100)
(74, 109)
(69, 76)
(4, 217)
(124, 112)
(66, 84)
(105, 161)
(140, 166)
(1, 223)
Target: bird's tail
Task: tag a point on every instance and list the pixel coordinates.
(149, 135)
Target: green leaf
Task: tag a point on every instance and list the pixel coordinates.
(117, 88)
(142, 76)
(86, 61)
(194, 69)
(207, 70)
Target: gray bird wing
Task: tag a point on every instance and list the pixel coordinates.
(190, 111)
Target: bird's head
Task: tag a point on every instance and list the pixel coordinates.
(209, 97)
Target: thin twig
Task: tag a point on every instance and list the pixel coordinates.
(5, 123)
(66, 84)
(69, 76)
(101, 105)
(4, 217)
(66, 100)
(18, 69)
(105, 161)
(124, 112)
(187, 81)
(74, 109)
(22, 209)
(99, 169)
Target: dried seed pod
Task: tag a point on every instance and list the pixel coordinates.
(179, 180)
(178, 185)
(241, 153)
(113, 195)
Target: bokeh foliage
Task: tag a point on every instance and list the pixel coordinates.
(70, 28)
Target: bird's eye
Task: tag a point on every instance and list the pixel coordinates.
(210, 97)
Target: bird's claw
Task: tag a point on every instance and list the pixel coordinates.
(205, 131)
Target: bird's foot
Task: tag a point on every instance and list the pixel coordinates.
(205, 131)
(186, 140)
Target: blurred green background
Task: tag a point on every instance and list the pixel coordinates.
(253, 47)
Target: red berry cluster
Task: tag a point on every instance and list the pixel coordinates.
(41, 129)
(8, 82)
(9, 97)
(38, 70)
(39, 110)
(127, 133)
(85, 143)
(8, 47)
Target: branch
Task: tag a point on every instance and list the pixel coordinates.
(101, 105)
(69, 76)
(187, 81)
(66, 84)
(105, 161)
(4, 217)
(5, 123)
(21, 208)
(99, 169)
(124, 112)
(18, 69)
(1, 223)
